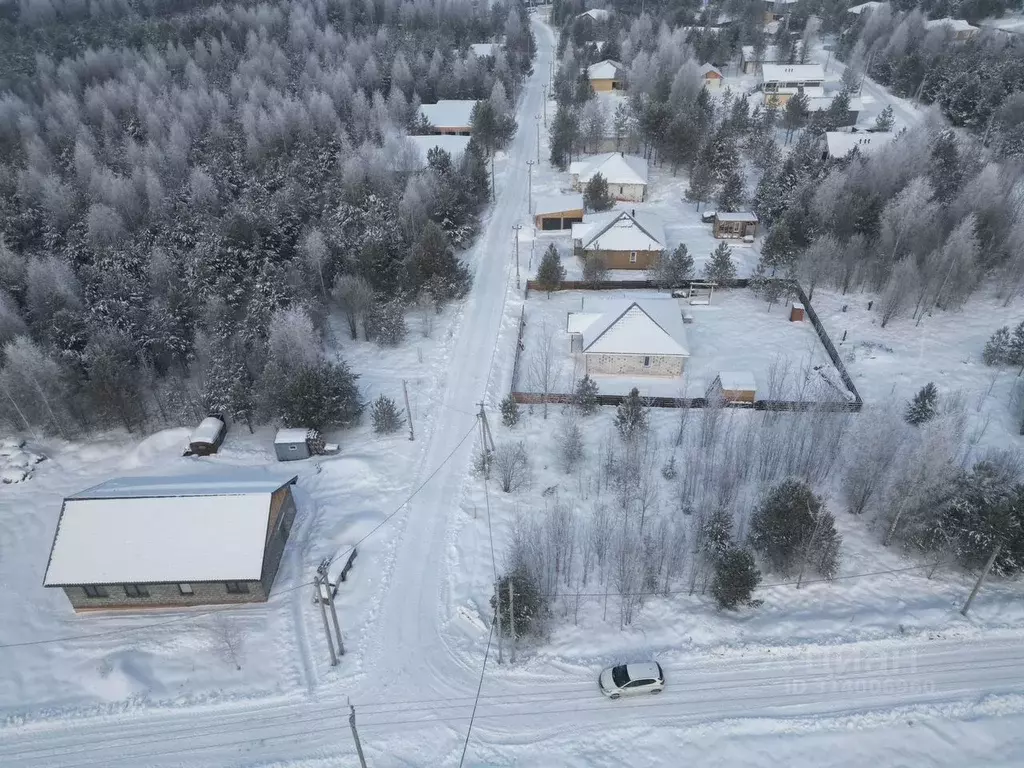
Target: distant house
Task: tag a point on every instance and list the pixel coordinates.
(776, 10)
(839, 144)
(454, 145)
(623, 239)
(959, 28)
(733, 225)
(872, 5)
(606, 76)
(712, 76)
(733, 387)
(626, 175)
(483, 50)
(643, 337)
(781, 82)
(449, 116)
(849, 119)
(595, 14)
(149, 542)
(558, 212)
(751, 63)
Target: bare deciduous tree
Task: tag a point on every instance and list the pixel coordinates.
(512, 466)
(543, 364)
(228, 639)
(355, 297)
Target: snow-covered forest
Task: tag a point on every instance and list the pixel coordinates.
(187, 193)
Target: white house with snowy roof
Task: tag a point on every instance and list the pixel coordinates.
(780, 82)
(483, 50)
(158, 542)
(644, 336)
(626, 174)
(595, 14)
(451, 116)
(871, 5)
(958, 28)
(621, 239)
(839, 144)
(606, 76)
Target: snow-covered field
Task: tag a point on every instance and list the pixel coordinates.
(736, 332)
(877, 667)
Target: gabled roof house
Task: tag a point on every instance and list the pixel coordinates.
(622, 239)
(156, 542)
(626, 174)
(606, 75)
(645, 336)
(450, 116)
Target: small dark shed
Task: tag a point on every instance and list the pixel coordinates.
(207, 438)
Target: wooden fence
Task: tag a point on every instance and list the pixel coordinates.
(563, 398)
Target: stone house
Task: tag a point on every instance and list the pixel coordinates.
(449, 116)
(644, 337)
(622, 239)
(156, 542)
(626, 175)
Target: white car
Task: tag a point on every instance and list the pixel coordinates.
(629, 679)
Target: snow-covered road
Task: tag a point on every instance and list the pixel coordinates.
(415, 697)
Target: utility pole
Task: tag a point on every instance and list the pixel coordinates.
(981, 577)
(355, 734)
(537, 118)
(807, 549)
(517, 227)
(529, 204)
(497, 617)
(494, 192)
(408, 411)
(511, 624)
(486, 427)
(334, 615)
(321, 584)
(545, 105)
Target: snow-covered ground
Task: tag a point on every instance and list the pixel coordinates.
(815, 677)
(736, 332)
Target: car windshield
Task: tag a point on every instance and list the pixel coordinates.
(619, 676)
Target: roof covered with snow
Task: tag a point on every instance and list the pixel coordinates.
(484, 49)
(872, 5)
(558, 204)
(792, 73)
(449, 113)
(737, 381)
(291, 435)
(597, 14)
(208, 431)
(616, 167)
(641, 327)
(620, 230)
(710, 69)
(604, 70)
(820, 103)
(770, 54)
(453, 145)
(840, 144)
(957, 25)
(736, 216)
(145, 530)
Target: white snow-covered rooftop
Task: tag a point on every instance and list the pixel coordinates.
(641, 327)
(604, 70)
(616, 167)
(736, 216)
(164, 530)
(291, 435)
(597, 14)
(957, 25)
(558, 204)
(840, 144)
(737, 380)
(821, 103)
(449, 113)
(792, 73)
(872, 5)
(619, 230)
(708, 69)
(484, 49)
(207, 431)
(453, 145)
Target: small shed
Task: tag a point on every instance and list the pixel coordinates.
(206, 439)
(301, 443)
(734, 387)
(734, 225)
(558, 212)
(796, 312)
(712, 76)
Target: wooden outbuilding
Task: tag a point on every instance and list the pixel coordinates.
(301, 443)
(207, 438)
(734, 387)
(735, 225)
(558, 212)
(796, 312)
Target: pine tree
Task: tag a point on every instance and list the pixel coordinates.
(997, 348)
(701, 184)
(720, 269)
(586, 395)
(385, 323)
(732, 195)
(768, 287)
(386, 416)
(550, 273)
(885, 120)
(673, 269)
(631, 416)
(528, 599)
(565, 132)
(778, 253)
(924, 405)
(794, 115)
(509, 411)
(736, 578)
(716, 534)
(319, 396)
(945, 170)
(987, 512)
(433, 265)
(790, 524)
(595, 194)
(1015, 350)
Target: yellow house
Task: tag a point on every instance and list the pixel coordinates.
(606, 76)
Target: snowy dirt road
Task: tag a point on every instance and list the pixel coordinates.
(415, 697)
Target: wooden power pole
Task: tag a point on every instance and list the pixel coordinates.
(408, 410)
(355, 734)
